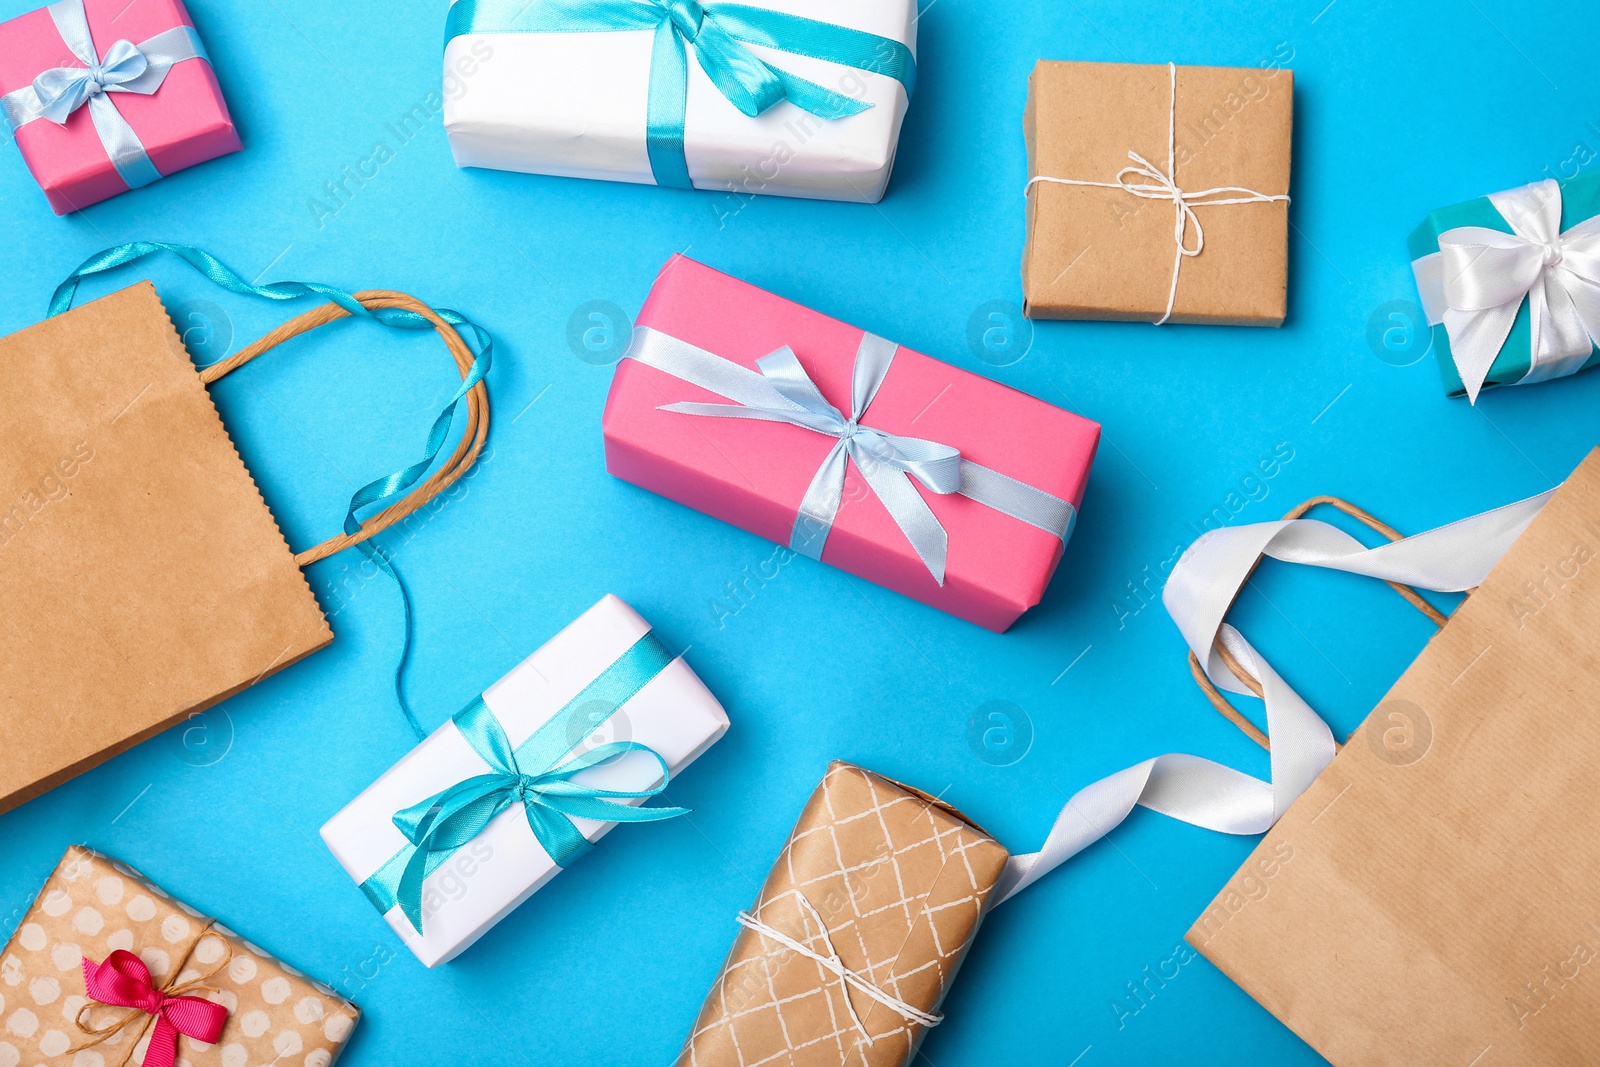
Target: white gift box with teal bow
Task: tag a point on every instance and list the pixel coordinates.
(1510, 284)
(522, 781)
(788, 97)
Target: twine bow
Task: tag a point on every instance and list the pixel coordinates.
(1162, 185)
(835, 966)
(123, 981)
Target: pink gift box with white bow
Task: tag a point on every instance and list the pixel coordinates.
(948, 487)
(104, 96)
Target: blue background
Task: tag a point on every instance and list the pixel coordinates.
(1400, 108)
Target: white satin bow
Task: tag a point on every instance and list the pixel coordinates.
(1485, 274)
(63, 90)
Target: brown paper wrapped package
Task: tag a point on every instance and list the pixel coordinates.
(133, 541)
(92, 906)
(1431, 898)
(901, 882)
(1096, 253)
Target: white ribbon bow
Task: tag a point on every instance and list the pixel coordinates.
(1484, 274)
(1202, 587)
(781, 391)
(63, 90)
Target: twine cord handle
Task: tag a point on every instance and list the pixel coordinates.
(467, 449)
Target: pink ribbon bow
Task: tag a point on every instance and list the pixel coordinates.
(124, 981)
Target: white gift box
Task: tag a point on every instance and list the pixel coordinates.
(673, 713)
(575, 104)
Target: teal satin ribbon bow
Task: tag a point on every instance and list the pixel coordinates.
(718, 33)
(377, 491)
(549, 797)
(538, 774)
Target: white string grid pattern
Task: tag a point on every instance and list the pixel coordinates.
(769, 1004)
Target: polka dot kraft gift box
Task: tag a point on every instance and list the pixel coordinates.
(106, 969)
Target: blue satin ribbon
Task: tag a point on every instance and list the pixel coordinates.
(538, 774)
(718, 34)
(125, 68)
(378, 491)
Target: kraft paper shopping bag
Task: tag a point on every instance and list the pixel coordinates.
(142, 577)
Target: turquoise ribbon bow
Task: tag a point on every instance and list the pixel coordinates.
(538, 774)
(125, 68)
(377, 491)
(718, 34)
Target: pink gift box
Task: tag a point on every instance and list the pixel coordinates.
(754, 474)
(182, 123)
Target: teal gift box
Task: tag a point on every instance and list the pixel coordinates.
(1510, 284)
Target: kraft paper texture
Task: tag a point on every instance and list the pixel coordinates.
(1096, 253)
(92, 906)
(1431, 898)
(902, 882)
(141, 576)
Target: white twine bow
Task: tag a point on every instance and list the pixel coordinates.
(1479, 279)
(834, 965)
(1198, 594)
(1163, 185)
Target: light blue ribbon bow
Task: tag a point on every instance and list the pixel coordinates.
(538, 774)
(781, 391)
(125, 68)
(718, 33)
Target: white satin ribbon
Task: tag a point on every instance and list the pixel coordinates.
(1162, 185)
(1477, 280)
(1199, 592)
(125, 68)
(781, 391)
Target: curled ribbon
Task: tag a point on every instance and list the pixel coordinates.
(125, 68)
(1162, 185)
(781, 391)
(1481, 276)
(123, 981)
(719, 34)
(550, 798)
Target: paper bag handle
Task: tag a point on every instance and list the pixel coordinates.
(1220, 702)
(1202, 587)
(466, 450)
(389, 309)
